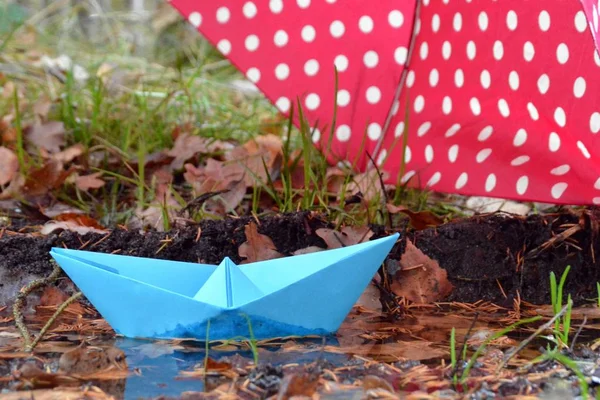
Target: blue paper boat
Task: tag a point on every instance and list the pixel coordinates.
(301, 295)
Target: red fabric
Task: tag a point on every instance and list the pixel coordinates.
(500, 97)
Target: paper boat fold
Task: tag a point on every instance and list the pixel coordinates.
(309, 294)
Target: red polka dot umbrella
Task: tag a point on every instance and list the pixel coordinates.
(477, 97)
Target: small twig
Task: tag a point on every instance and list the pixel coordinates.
(525, 342)
(577, 333)
(19, 302)
(52, 319)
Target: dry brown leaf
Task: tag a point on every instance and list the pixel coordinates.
(348, 236)
(154, 215)
(69, 154)
(85, 360)
(91, 181)
(49, 136)
(187, 146)
(369, 184)
(217, 176)
(421, 279)
(79, 223)
(42, 180)
(419, 220)
(375, 382)
(9, 165)
(250, 157)
(302, 385)
(257, 247)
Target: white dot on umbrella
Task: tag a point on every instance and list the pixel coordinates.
(485, 133)
(341, 63)
(283, 104)
(475, 106)
(562, 53)
(485, 78)
(482, 155)
(303, 3)
(407, 176)
(195, 19)
(595, 122)
(224, 46)
(528, 51)
(396, 18)
(560, 117)
(519, 161)
(453, 153)
(399, 130)
(471, 50)
(424, 128)
(308, 33)
(395, 107)
(311, 67)
(513, 80)
(316, 135)
(252, 42)
(365, 24)
(419, 103)
(533, 112)
(459, 78)
(544, 20)
(596, 57)
(312, 101)
(429, 153)
(522, 184)
(520, 138)
(560, 170)
(400, 55)
(249, 9)
(281, 38)
(407, 154)
(446, 50)
(447, 105)
(223, 15)
(596, 200)
(580, 21)
(483, 21)
(503, 108)
(434, 77)
(452, 130)
(597, 184)
(337, 29)
(594, 23)
(371, 59)
(462, 180)
(374, 131)
(276, 6)
(579, 87)
(543, 83)
(457, 22)
(343, 98)
(417, 27)
(553, 142)
(410, 78)
(342, 133)
(511, 20)
(373, 95)
(558, 189)
(498, 50)
(282, 71)
(490, 183)
(435, 23)
(424, 50)
(381, 157)
(583, 149)
(435, 178)
(253, 74)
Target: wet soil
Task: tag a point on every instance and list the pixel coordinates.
(491, 257)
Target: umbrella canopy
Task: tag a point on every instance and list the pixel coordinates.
(486, 97)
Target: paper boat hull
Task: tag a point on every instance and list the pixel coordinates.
(293, 296)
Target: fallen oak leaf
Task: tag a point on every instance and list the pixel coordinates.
(257, 247)
(187, 146)
(420, 278)
(79, 223)
(91, 181)
(419, 220)
(49, 136)
(348, 236)
(9, 165)
(49, 176)
(69, 154)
